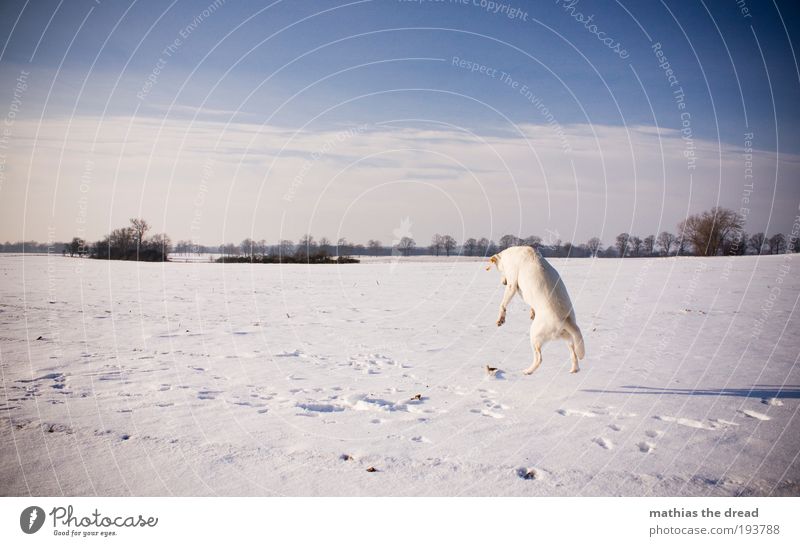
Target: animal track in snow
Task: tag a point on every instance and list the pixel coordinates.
(420, 439)
(319, 407)
(490, 413)
(289, 354)
(605, 443)
(208, 395)
(653, 433)
(373, 364)
(576, 413)
(59, 382)
(712, 424)
(491, 408)
(756, 415)
(362, 402)
(646, 447)
(611, 412)
(56, 427)
(615, 428)
(772, 401)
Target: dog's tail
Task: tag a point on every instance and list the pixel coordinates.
(577, 338)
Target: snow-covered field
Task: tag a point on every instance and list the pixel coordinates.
(209, 379)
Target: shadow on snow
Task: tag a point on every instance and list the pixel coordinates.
(756, 391)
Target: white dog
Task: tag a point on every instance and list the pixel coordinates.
(525, 271)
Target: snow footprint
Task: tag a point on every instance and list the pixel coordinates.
(646, 447)
(756, 415)
(492, 409)
(605, 443)
(693, 423)
(488, 413)
(576, 413)
(208, 394)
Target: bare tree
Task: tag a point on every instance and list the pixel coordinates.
(306, 247)
(449, 244)
(285, 248)
(140, 228)
(374, 247)
(77, 246)
(648, 244)
(557, 248)
(406, 246)
(229, 249)
(708, 230)
(343, 247)
(160, 245)
(635, 245)
(622, 244)
(665, 241)
(736, 244)
(248, 247)
(123, 239)
(683, 246)
(437, 243)
(325, 246)
(483, 246)
(533, 241)
(777, 243)
(593, 245)
(470, 247)
(508, 241)
(757, 241)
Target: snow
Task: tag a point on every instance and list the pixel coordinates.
(209, 379)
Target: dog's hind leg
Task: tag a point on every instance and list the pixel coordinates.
(536, 343)
(537, 358)
(574, 335)
(573, 356)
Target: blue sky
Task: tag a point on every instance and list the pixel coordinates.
(392, 66)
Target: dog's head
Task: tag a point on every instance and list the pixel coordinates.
(499, 265)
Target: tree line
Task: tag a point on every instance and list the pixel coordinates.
(715, 232)
(718, 231)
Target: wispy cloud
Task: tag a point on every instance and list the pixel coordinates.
(273, 182)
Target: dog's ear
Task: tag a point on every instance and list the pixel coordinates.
(492, 260)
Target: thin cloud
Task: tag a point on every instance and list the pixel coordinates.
(357, 183)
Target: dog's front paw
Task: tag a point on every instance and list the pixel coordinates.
(501, 320)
